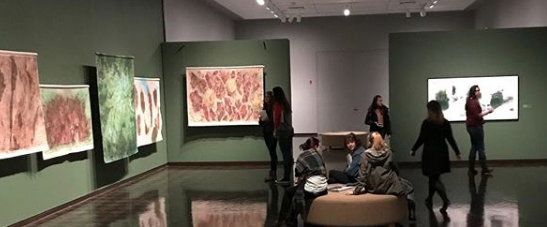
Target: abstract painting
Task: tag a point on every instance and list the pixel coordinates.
(116, 106)
(21, 118)
(499, 92)
(148, 111)
(67, 112)
(224, 95)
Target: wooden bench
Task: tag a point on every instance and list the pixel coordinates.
(340, 209)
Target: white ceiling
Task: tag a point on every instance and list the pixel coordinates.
(249, 9)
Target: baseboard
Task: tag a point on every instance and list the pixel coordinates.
(73, 204)
(491, 163)
(209, 165)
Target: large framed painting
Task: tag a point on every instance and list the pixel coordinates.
(148, 110)
(219, 96)
(22, 127)
(116, 88)
(499, 92)
(67, 112)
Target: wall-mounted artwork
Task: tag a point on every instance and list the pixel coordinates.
(499, 92)
(115, 86)
(148, 110)
(224, 95)
(67, 113)
(22, 128)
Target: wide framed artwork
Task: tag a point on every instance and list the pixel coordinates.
(67, 112)
(148, 110)
(223, 96)
(116, 91)
(498, 92)
(22, 127)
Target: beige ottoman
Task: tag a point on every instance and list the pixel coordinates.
(340, 209)
(336, 139)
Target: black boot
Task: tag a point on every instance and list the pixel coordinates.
(272, 175)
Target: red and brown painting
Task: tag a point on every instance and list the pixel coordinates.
(224, 95)
(148, 110)
(21, 119)
(67, 111)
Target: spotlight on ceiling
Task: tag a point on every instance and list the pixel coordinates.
(346, 12)
(261, 2)
(423, 13)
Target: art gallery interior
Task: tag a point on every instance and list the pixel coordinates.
(329, 64)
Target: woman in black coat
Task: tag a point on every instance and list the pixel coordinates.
(434, 132)
(378, 117)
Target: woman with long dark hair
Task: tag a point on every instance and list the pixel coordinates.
(266, 122)
(283, 131)
(474, 123)
(378, 117)
(434, 133)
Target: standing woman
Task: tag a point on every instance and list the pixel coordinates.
(474, 123)
(283, 131)
(266, 121)
(434, 132)
(378, 117)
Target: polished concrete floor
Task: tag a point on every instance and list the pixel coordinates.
(220, 197)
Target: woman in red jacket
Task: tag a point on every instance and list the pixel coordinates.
(283, 131)
(474, 124)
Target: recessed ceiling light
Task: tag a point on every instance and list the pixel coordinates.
(346, 12)
(431, 6)
(260, 2)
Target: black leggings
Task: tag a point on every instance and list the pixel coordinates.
(435, 185)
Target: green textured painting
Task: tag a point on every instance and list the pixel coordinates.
(116, 106)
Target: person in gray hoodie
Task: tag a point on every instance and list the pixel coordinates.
(378, 173)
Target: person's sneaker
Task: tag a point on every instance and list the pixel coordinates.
(487, 171)
(472, 172)
(283, 182)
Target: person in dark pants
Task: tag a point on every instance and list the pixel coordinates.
(350, 174)
(284, 132)
(266, 121)
(434, 133)
(474, 123)
(311, 183)
(378, 117)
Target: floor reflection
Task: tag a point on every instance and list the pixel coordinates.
(239, 197)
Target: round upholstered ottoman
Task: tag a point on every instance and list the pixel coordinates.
(336, 139)
(340, 209)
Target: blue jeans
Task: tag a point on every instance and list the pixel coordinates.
(476, 133)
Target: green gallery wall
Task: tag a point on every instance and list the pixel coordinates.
(226, 143)
(415, 57)
(66, 34)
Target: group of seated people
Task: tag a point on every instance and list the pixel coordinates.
(370, 170)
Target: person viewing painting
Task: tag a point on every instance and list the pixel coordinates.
(474, 123)
(266, 121)
(378, 117)
(284, 132)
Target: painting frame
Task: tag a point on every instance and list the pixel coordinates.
(253, 101)
(501, 92)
